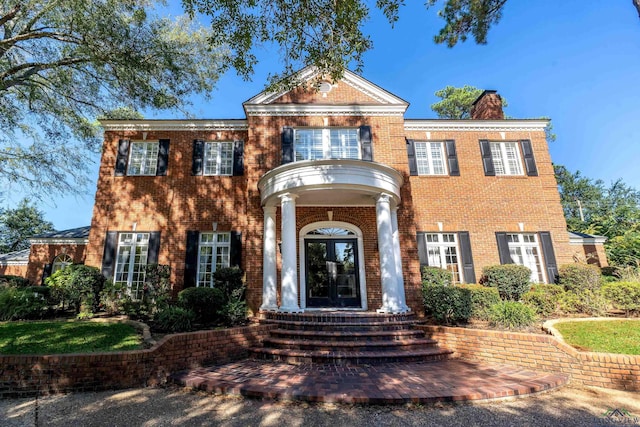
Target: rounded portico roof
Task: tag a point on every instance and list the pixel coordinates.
(330, 183)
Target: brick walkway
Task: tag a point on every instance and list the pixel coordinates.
(393, 383)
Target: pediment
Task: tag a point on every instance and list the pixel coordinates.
(350, 95)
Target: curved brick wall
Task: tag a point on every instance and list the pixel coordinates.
(541, 352)
(28, 375)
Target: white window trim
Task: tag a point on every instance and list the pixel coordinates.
(442, 246)
(429, 159)
(505, 164)
(214, 244)
(218, 150)
(132, 257)
(131, 144)
(523, 245)
(326, 142)
(64, 260)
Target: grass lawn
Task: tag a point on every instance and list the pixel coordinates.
(57, 337)
(604, 336)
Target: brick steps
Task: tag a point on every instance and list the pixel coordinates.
(335, 357)
(346, 339)
(337, 336)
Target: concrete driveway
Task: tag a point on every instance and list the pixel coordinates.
(565, 407)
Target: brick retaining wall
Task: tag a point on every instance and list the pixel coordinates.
(23, 375)
(541, 352)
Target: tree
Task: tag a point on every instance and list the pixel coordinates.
(326, 33)
(456, 102)
(17, 225)
(580, 197)
(65, 62)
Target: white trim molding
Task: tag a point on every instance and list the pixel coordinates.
(575, 239)
(325, 110)
(179, 125)
(434, 125)
(59, 241)
(357, 176)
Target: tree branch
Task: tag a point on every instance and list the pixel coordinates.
(33, 68)
(10, 15)
(636, 3)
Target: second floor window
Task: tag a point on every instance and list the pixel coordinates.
(218, 158)
(506, 158)
(430, 158)
(315, 144)
(143, 158)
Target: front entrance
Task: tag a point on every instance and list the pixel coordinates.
(332, 273)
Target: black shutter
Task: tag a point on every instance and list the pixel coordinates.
(452, 158)
(154, 247)
(46, 272)
(411, 154)
(238, 158)
(198, 153)
(422, 250)
(503, 248)
(365, 143)
(191, 259)
(287, 145)
(236, 249)
(123, 156)
(163, 157)
(487, 161)
(529, 160)
(549, 256)
(109, 255)
(467, 257)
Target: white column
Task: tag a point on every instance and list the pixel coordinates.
(388, 275)
(289, 259)
(398, 257)
(269, 275)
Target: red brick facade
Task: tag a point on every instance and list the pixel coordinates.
(472, 202)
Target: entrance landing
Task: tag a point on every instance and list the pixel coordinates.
(452, 380)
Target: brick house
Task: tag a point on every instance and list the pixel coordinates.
(326, 198)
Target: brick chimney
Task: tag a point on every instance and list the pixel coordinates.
(488, 106)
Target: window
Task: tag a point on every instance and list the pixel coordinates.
(430, 158)
(314, 144)
(143, 158)
(60, 262)
(213, 253)
(442, 251)
(131, 261)
(523, 249)
(506, 158)
(218, 158)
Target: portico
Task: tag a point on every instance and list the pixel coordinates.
(330, 183)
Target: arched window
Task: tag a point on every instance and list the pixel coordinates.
(60, 262)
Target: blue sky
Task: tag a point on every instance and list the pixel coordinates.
(577, 62)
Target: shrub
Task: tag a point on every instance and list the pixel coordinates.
(9, 281)
(482, 297)
(436, 276)
(79, 286)
(174, 319)
(511, 315)
(157, 287)
(228, 280)
(21, 303)
(204, 302)
(234, 312)
(543, 298)
(623, 295)
(511, 280)
(447, 304)
(578, 277)
(627, 273)
(582, 302)
(114, 298)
